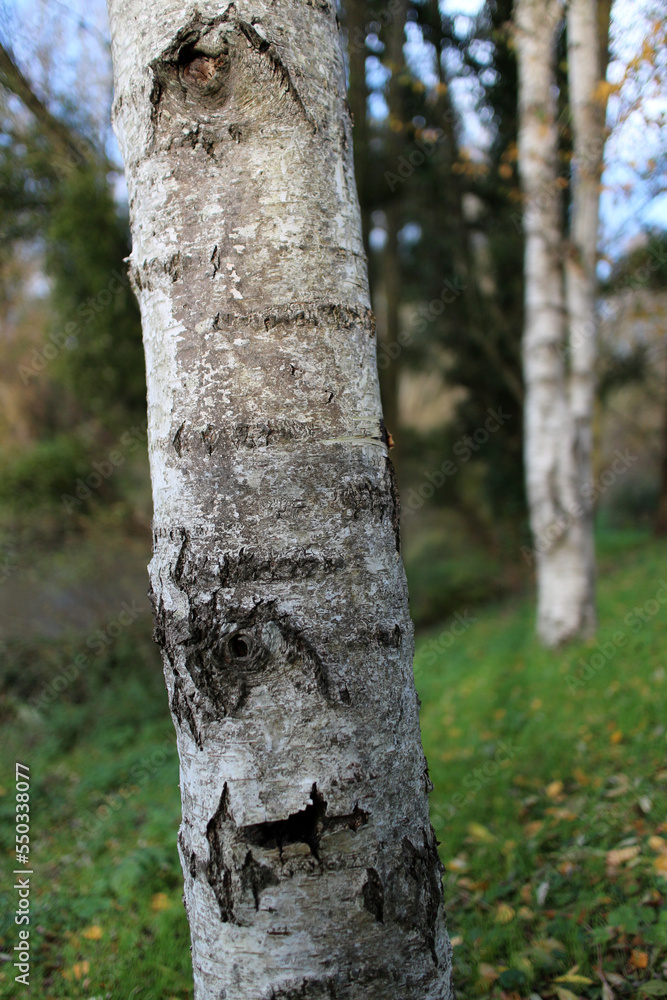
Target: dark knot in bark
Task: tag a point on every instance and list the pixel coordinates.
(202, 74)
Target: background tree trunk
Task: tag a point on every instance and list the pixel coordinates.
(310, 865)
(560, 522)
(586, 25)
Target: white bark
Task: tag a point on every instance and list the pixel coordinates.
(559, 516)
(310, 865)
(587, 114)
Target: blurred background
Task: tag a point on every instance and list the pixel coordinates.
(549, 768)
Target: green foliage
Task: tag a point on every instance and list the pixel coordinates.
(96, 312)
(40, 475)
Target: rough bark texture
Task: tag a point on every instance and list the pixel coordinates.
(311, 869)
(560, 513)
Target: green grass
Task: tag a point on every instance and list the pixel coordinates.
(531, 887)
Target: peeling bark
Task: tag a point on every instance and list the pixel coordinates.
(279, 593)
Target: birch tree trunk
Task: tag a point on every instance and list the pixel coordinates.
(559, 516)
(311, 869)
(587, 23)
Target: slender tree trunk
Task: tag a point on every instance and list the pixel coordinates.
(585, 26)
(392, 277)
(310, 865)
(559, 519)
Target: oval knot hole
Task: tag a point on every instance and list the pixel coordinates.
(239, 646)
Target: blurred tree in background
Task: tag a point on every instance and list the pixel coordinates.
(433, 94)
(79, 378)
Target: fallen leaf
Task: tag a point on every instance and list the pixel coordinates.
(616, 737)
(660, 865)
(658, 844)
(487, 972)
(160, 901)
(564, 994)
(80, 969)
(654, 988)
(457, 865)
(456, 941)
(620, 855)
(554, 789)
(93, 933)
(622, 783)
(504, 914)
(541, 894)
(639, 959)
(573, 977)
(480, 833)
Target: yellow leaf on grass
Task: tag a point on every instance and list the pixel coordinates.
(534, 827)
(658, 844)
(554, 789)
(639, 959)
(487, 972)
(160, 901)
(660, 865)
(616, 736)
(564, 994)
(456, 941)
(93, 933)
(504, 914)
(480, 833)
(574, 977)
(457, 865)
(580, 777)
(80, 969)
(621, 855)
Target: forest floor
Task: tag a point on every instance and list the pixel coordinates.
(550, 777)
